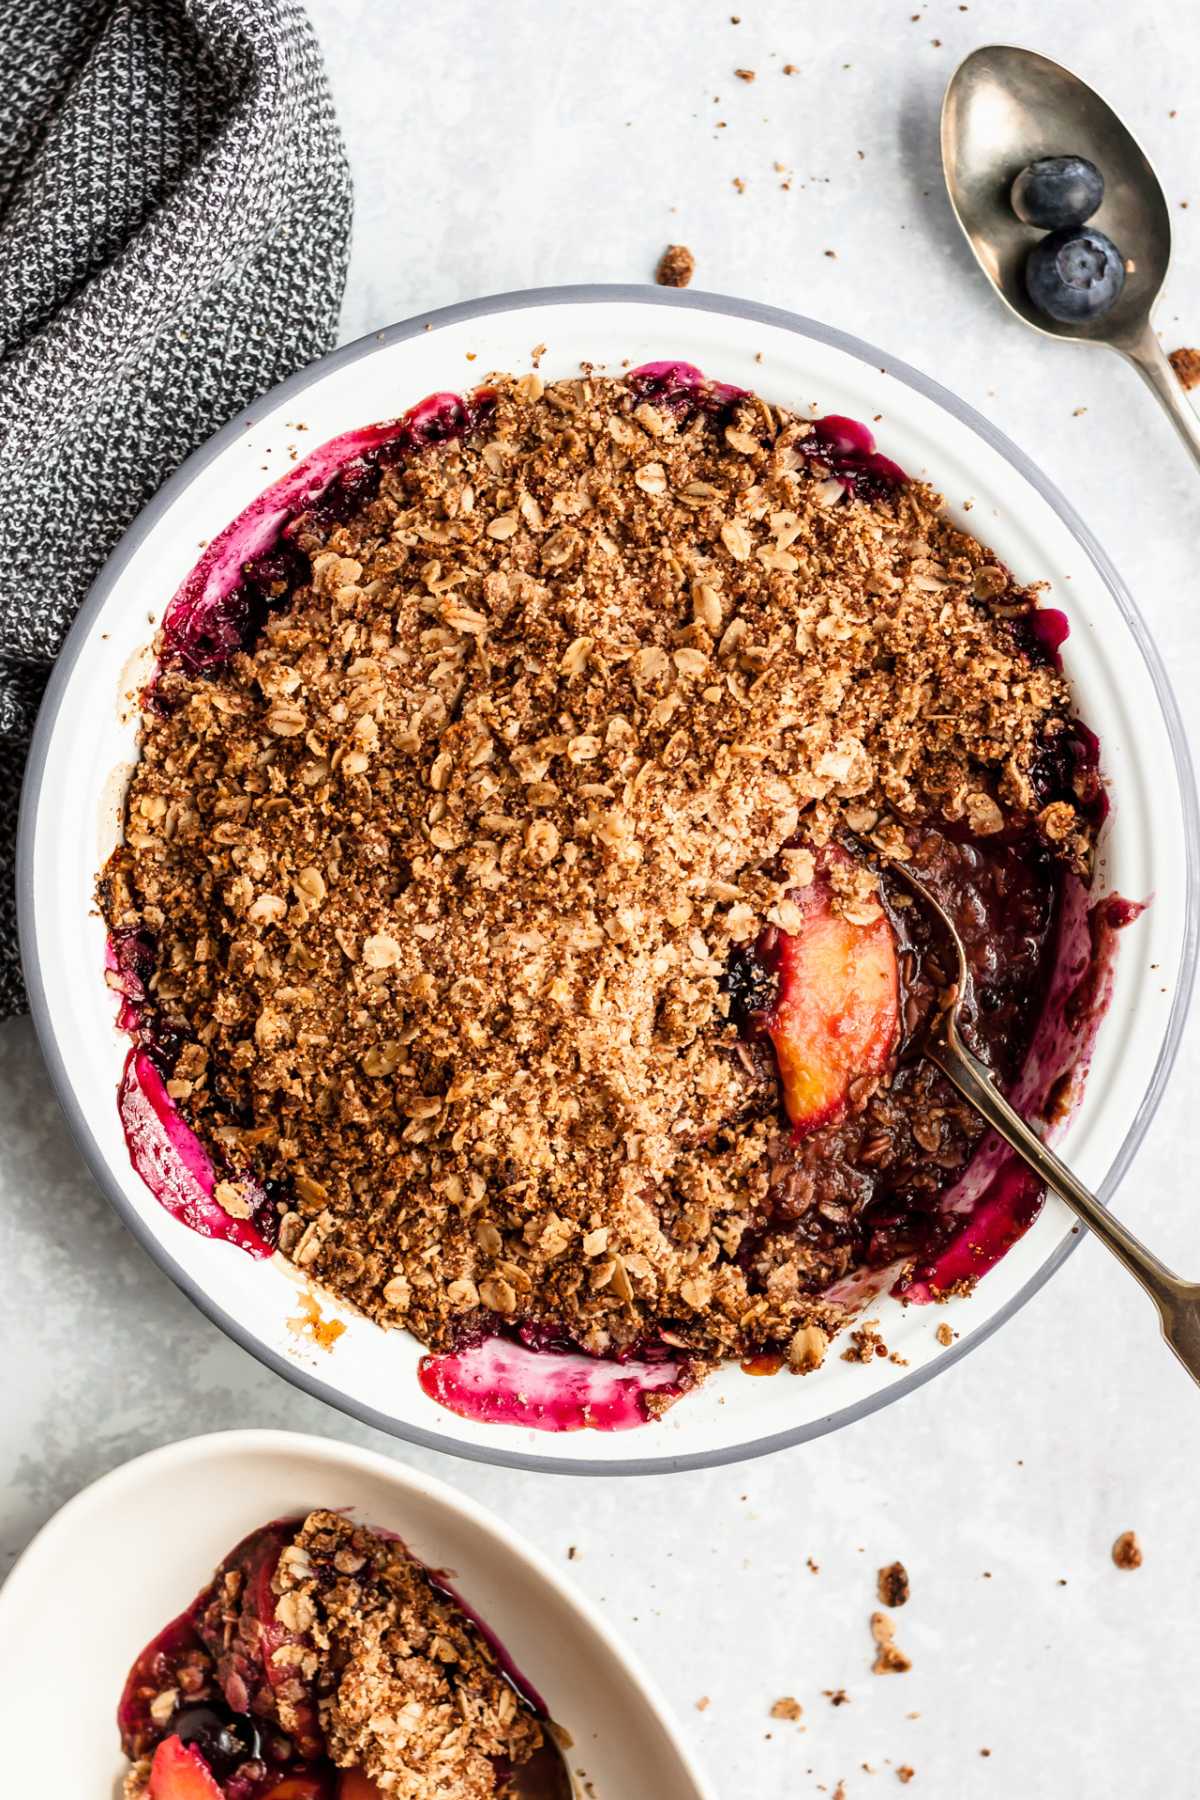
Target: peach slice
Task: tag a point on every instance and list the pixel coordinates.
(837, 1012)
(179, 1772)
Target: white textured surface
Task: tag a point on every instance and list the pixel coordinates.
(512, 145)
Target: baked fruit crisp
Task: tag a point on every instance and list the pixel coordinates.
(323, 1662)
(492, 922)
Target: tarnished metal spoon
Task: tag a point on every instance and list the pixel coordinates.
(1178, 1301)
(1006, 107)
(545, 1776)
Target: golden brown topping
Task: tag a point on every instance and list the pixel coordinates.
(445, 871)
(407, 1688)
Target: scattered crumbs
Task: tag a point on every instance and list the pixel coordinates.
(987, 1574)
(893, 1584)
(735, 18)
(572, 1553)
(536, 355)
(901, 1362)
(1078, 412)
(1173, 114)
(832, 253)
(936, 42)
(703, 1703)
(985, 1752)
(945, 1335)
(1062, 1581)
(865, 1342)
(739, 184)
(1186, 364)
(889, 1660)
(790, 69)
(787, 1707)
(471, 355)
(839, 1792)
(814, 1568)
(1127, 1552)
(758, 356)
(676, 266)
(745, 74)
(836, 1696)
(905, 1773)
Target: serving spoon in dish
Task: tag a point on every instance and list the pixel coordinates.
(545, 1776)
(1178, 1301)
(1005, 108)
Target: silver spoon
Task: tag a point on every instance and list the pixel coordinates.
(545, 1776)
(1178, 1301)
(1006, 107)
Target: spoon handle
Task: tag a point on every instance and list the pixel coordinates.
(1152, 364)
(1178, 1301)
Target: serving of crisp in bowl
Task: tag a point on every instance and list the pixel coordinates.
(450, 893)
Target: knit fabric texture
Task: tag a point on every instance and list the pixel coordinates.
(174, 226)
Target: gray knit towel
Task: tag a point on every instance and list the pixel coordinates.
(174, 224)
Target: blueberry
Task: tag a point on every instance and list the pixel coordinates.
(751, 986)
(1074, 274)
(1057, 191)
(224, 1743)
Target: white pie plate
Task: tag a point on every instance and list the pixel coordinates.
(86, 741)
(133, 1550)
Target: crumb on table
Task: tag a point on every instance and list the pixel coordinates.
(893, 1584)
(1127, 1552)
(889, 1659)
(676, 266)
(1186, 364)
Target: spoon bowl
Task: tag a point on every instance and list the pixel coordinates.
(1006, 107)
(544, 1777)
(944, 1043)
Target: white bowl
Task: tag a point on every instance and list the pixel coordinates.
(86, 742)
(130, 1553)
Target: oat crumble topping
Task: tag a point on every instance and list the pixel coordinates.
(444, 872)
(407, 1689)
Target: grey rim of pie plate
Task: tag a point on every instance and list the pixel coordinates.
(584, 295)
